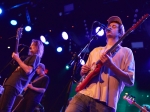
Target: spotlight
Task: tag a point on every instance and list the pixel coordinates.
(67, 67)
(82, 62)
(46, 42)
(42, 38)
(28, 28)
(13, 22)
(59, 49)
(101, 32)
(8, 47)
(1, 11)
(65, 35)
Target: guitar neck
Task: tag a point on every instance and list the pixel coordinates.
(17, 44)
(138, 106)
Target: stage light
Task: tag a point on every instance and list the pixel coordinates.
(101, 32)
(28, 28)
(59, 49)
(65, 35)
(42, 38)
(8, 47)
(67, 67)
(1, 11)
(13, 22)
(46, 42)
(82, 62)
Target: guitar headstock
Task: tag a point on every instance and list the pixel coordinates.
(19, 33)
(138, 23)
(129, 98)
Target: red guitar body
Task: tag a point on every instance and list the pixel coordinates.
(91, 74)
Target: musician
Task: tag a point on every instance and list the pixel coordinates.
(34, 91)
(103, 91)
(22, 75)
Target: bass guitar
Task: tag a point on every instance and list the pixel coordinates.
(81, 85)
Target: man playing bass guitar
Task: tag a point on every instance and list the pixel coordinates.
(102, 92)
(34, 91)
(22, 75)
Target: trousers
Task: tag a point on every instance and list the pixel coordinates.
(83, 103)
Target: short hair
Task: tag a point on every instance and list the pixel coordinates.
(42, 66)
(40, 46)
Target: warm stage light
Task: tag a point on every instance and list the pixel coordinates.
(101, 32)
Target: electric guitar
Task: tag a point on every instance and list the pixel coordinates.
(131, 100)
(81, 85)
(18, 36)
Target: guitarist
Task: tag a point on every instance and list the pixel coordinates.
(118, 71)
(21, 76)
(34, 91)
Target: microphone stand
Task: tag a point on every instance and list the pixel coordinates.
(11, 61)
(75, 62)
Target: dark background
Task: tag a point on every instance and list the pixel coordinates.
(48, 18)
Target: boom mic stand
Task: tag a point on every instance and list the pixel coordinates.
(75, 63)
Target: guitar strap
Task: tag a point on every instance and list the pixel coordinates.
(37, 79)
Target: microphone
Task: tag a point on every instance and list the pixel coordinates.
(108, 29)
(24, 45)
(100, 24)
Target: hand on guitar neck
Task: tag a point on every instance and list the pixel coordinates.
(131, 100)
(15, 56)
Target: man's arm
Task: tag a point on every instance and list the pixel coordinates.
(126, 76)
(40, 90)
(26, 68)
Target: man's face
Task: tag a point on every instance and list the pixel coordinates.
(33, 48)
(39, 70)
(113, 32)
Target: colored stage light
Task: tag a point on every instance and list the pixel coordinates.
(13, 22)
